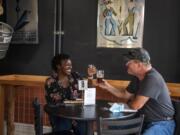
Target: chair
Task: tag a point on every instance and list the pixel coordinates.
(121, 126)
(176, 104)
(38, 117)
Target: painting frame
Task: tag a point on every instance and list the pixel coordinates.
(120, 23)
(22, 15)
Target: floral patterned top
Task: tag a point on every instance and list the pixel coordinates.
(54, 87)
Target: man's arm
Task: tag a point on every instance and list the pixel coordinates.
(120, 93)
(134, 102)
(138, 102)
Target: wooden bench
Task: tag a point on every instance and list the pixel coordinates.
(174, 89)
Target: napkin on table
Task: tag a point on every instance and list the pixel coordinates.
(117, 107)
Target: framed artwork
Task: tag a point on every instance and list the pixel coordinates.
(120, 23)
(22, 15)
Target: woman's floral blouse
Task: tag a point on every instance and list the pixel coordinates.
(53, 87)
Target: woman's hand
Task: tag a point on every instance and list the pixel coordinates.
(75, 94)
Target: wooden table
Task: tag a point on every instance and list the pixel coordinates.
(89, 113)
(11, 81)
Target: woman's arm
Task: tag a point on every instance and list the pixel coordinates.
(51, 92)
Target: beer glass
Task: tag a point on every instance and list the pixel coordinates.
(100, 76)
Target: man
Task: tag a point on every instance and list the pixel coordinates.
(148, 93)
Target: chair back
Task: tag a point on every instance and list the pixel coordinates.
(121, 126)
(176, 104)
(38, 117)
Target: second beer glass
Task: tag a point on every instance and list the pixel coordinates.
(100, 76)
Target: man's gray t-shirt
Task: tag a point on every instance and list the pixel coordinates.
(159, 106)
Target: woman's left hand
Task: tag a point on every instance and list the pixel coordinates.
(75, 94)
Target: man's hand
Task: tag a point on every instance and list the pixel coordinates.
(120, 93)
(104, 85)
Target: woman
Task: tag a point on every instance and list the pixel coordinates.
(62, 85)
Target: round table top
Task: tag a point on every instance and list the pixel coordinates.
(88, 112)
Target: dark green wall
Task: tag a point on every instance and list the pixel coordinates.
(161, 39)
(33, 59)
